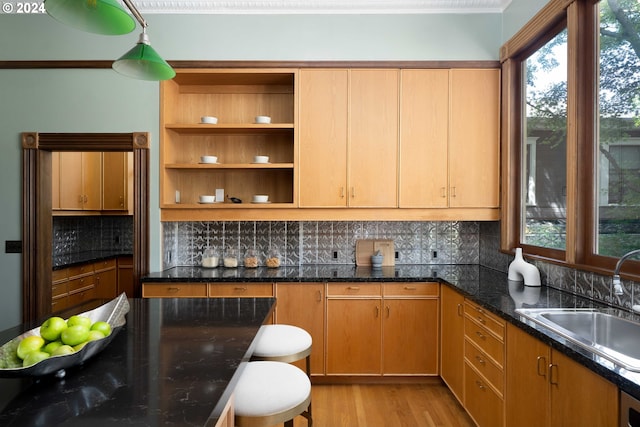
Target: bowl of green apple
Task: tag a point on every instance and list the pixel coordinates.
(58, 344)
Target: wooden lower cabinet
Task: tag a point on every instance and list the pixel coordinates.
(452, 340)
(125, 277)
(80, 283)
(303, 305)
(546, 388)
(382, 330)
(106, 279)
(174, 290)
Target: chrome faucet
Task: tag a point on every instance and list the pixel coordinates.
(617, 285)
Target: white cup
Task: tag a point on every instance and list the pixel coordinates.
(260, 159)
(209, 120)
(260, 198)
(263, 119)
(209, 159)
(207, 199)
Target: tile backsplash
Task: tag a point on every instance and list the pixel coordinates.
(323, 242)
(92, 233)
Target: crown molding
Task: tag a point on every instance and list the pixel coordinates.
(320, 6)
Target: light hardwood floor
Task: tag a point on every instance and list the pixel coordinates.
(378, 405)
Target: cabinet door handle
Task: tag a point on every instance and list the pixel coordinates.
(377, 311)
(542, 365)
(342, 192)
(444, 192)
(319, 296)
(553, 379)
(480, 360)
(388, 311)
(353, 192)
(459, 308)
(453, 191)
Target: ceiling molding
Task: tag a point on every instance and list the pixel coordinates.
(320, 6)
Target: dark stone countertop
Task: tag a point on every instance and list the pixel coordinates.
(485, 286)
(78, 258)
(175, 362)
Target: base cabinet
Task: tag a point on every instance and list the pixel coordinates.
(452, 340)
(546, 388)
(302, 305)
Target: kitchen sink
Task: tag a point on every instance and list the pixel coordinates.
(599, 330)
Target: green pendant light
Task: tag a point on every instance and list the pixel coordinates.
(143, 62)
(94, 16)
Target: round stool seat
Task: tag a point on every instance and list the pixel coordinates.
(285, 343)
(269, 393)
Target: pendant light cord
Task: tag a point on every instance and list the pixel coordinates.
(135, 12)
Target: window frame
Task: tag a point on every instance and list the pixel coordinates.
(580, 17)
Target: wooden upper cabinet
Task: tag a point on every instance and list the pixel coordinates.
(117, 174)
(373, 138)
(323, 137)
(474, 135)
(80, 180)
(424, 126)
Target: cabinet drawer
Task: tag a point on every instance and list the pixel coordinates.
(411, 289)
(59, 275)
(81, 296)
(82, 283)
(486, 319)
(60, 303)
(104, 264)
(354, 289)
(80, 270)
(59, 289)
(483, 404)
(484, 365)
(490, 345)
(240, 289)
(174, 290)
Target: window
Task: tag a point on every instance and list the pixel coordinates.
(571, 150)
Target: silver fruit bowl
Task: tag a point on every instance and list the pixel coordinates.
(112, 312)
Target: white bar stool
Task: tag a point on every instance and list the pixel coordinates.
(284, 343)
(270, 393)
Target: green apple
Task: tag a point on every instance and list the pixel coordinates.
(63, 350)
(50, 347)
(80, 346)
(103, 327)
(52, 328)
(29, 344)
(34, 357)
(75, 335)
(79, 320)
(95, 335)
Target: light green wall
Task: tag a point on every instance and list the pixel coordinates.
(517, 14)
(102, 101)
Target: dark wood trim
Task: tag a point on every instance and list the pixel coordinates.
(36, 208)
(258, 64)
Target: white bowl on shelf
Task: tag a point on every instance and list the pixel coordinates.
(211, 120)
(263, 119)
(209, 159)
(207, 199)
(260, 159)
(260, 198)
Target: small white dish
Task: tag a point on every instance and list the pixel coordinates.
(210, 120)
(260, 198)
(260, 159)
(263, 119)
(207, 199)
(208, 159)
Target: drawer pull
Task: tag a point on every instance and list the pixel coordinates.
(542, 366)
(240, 288)
(410, 288)
(479, 310)
(481, 320)
(354, 288)
(173, 289)
(480, 385)
(480, 335)
(480, 360)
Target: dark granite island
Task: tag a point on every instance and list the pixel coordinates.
(174, 363)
